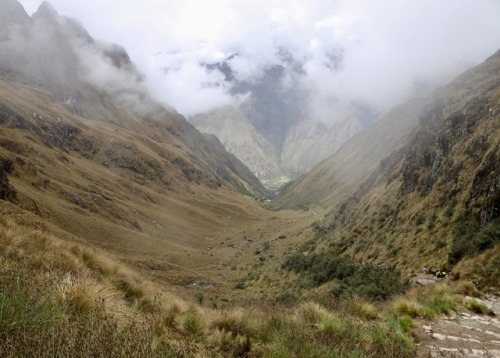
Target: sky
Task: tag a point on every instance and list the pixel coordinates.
(388, 49)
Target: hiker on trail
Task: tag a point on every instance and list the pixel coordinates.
(425, 270)
(440, 274)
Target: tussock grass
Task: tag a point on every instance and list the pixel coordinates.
(467, 288)
(171, 316)
(70, 304)
(426, 303)
(193, 323)
(478, 307)
(237, 322)
(313, 313)
(442, 300)
(408, 306)
(363, 309)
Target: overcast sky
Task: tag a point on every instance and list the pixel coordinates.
(387, 46)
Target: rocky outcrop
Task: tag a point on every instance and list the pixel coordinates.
(293, 151)
(7, 192)
(436, 197)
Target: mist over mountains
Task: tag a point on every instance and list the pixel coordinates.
(274, 128)
(98, 81)
(125, 231)
(57, 53)
(306, 79)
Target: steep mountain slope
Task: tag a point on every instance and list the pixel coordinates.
(273, 129)
(305, 143)
(94, 154)
(99, 81)
(240, 138)
(436, 200)
(331, 180)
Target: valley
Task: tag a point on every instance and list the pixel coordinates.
(125, 231)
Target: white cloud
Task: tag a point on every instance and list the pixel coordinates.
(387, 45)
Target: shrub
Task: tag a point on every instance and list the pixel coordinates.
(440, 244)
(450, 208)
(240, 285)
(354, 278)
(469, 239)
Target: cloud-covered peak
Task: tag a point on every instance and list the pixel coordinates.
(46, 9)
(364, 50)
(12, 12)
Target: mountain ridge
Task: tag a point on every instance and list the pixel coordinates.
(435, 200)
(276, 107)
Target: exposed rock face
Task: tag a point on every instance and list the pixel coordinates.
(7, 192)
(274, 130)
(98, 81)
(435, 197)
(291, 151)
(309, 141)
(448, 143)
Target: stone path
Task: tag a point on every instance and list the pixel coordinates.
(462, 335)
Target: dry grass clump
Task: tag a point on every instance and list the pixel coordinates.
(478, 307)
(315, 331)
(363, 309)
(58, 307)
(442, 300)
(407, 306)
(193, 323)
(427, 302)
(171, 316)
(237, 322)
(313, 314)
(95, 262)
(467, 288)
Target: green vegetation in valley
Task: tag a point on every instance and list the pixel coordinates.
(59, 299)
(354, 278)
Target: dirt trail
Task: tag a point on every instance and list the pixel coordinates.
(462, 334)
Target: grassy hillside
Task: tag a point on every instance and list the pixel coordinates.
(332, 180)
(434, 201)
(60, 298)
(125, 232)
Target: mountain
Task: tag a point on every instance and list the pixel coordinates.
(126, 232)
(273, 129)
(331, 180)
(85, 147)
(434, 200)
(98, 81)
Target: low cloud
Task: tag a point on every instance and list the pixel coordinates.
(365, 51)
